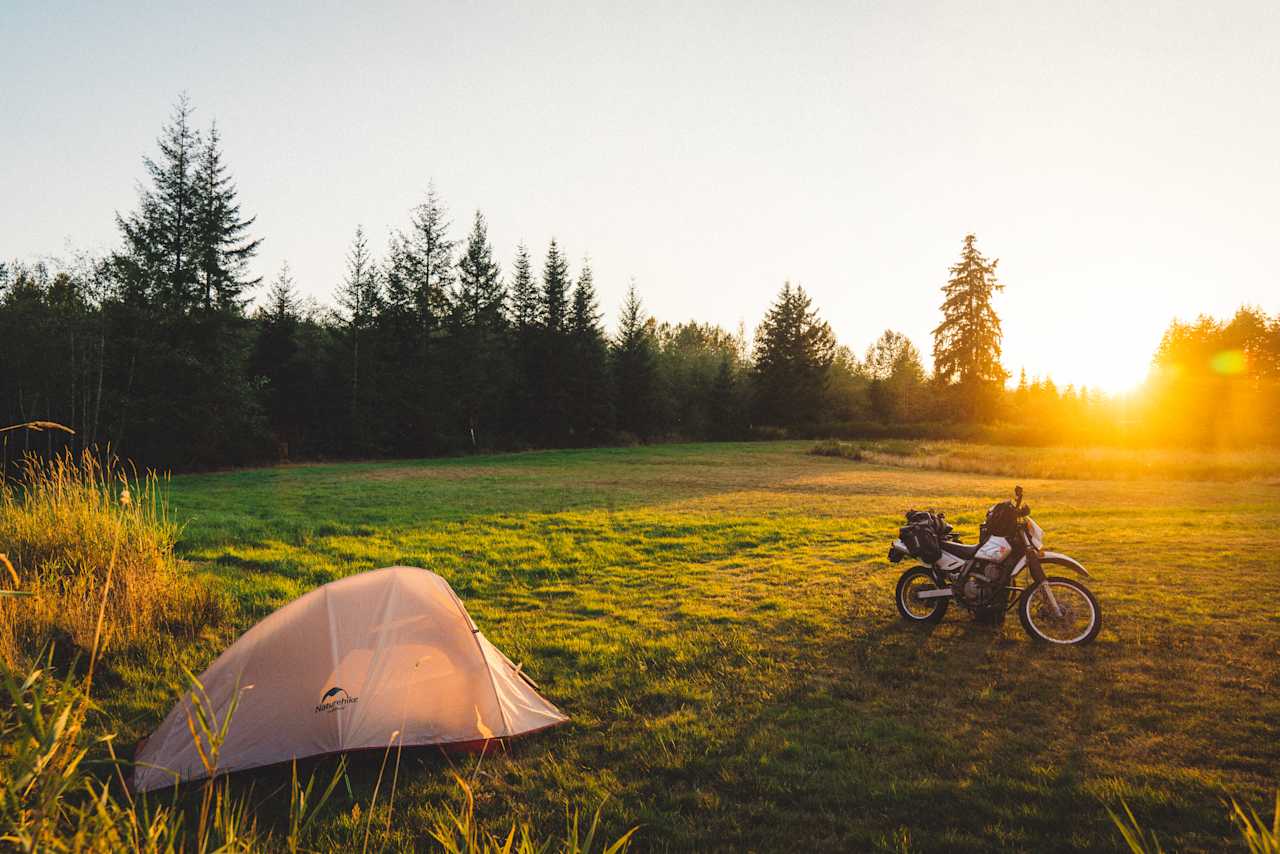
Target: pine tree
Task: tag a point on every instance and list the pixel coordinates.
(723, 406)
(478, 335)
(424, 260)
(793, 353)
(590, 406)
(275, 359)
(479, 298)
(553, 311)
(184, 240)
(966, 346)
(223, 248)
(525, 299)
(550, 363)
(358, 299)
(156, 264)
(419, 274)
(634, 369)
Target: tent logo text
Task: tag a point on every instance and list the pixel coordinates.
(331, 702)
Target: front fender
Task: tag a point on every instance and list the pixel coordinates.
(1057, 559)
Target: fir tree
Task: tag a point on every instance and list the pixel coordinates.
(424, 260)
(591, 409)
(634, 368)
(223, 248)
(359, 298)
(525, 299)
(966, 346)
(794, 349)
(156, 263)
(553, 312)
(479, 298)
(477, 334)
(725, 420)
(275, 359)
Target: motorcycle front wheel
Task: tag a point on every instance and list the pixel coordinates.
(910, 605)
(1080, 618)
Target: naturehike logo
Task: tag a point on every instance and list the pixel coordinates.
(331, 701)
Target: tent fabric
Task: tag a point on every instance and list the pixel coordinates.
(388, 657)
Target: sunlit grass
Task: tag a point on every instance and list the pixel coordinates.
(718, 622)
(63, 522)
(1075, 463)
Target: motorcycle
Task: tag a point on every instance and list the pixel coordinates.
(987, 578)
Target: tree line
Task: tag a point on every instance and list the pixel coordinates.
(429, 347)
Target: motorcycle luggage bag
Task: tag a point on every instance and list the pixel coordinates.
(922, 541)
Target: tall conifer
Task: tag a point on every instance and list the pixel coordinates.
(634, 368)
(794, 349)
(966, 344)
(223, 247)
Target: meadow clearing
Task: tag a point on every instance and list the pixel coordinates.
(718, 622)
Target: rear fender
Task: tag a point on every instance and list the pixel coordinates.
(1057, 559)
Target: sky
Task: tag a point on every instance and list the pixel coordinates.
(1122, 160)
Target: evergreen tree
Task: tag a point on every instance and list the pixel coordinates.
(419, 277)
(276, 360)
(635, 369)
(590, 404)
(524, 384)
(157, 263)
(966, 344)
(525, 299)
(480, 298)
(553, 311)
(478, 335)
(359, 298)
(425, 260)
(180, 372)
(724, 404)
(551, 360)
(794, 349)
(222, 248)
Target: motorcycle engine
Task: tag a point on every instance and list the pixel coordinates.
(978, 587)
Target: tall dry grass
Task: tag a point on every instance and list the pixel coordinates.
(1083, 463)
(73, 523)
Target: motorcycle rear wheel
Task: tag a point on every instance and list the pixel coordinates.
(913, 608)
(1079, 623)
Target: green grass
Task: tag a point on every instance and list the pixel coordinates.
(718, 621)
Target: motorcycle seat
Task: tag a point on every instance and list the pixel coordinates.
(960, 550)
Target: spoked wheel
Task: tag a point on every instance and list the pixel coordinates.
(1079, 620)
(910, 605)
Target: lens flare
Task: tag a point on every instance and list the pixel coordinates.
(1228, 362)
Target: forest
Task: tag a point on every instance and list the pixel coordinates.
(169, 351)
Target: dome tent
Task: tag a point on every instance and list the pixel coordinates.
(388, 657)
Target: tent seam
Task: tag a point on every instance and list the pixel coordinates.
(488, 669)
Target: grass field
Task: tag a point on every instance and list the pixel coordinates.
(718, 622)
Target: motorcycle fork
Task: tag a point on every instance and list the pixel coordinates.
(1037, 572)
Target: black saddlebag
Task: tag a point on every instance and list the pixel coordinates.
(922, 535)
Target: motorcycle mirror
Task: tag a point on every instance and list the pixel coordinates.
(1025, 511)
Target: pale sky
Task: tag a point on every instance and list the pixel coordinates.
(1121, 159)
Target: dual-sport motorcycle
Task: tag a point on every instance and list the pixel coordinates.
(987, 578)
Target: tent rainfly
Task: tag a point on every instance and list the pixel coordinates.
(383, 658)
